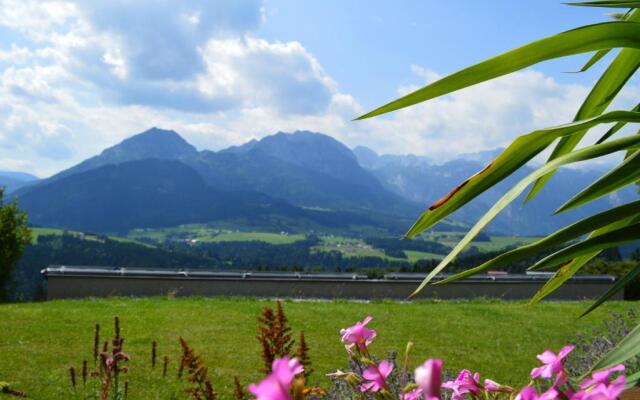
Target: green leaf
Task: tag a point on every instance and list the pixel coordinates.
(608, 3)
(581, 40)
(616, 127)
(626, 173)
(632, 381)
(594, 59)
(568, 270)
(518, 153)
(575, 156)
(628, 347)
(563, 235)
(590, 245)
(621, 69)
(618, 286)
(619, 16)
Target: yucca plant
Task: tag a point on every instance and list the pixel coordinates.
(604, 230)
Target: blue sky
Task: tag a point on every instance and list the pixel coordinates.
(79, 76)
(368, 46)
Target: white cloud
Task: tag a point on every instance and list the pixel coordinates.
(78, 76)
(482, 117)
(256, 73)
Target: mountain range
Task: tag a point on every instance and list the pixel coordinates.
(156, 179)
(426, 183)
(12, 181)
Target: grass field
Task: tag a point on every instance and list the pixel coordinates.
(413, 256)
(350, 247)
(204, 233)
(497, 242)
(40, 341)
(36, 232)
(273, 238)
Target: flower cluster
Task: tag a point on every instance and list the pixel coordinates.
(550, 381)
(598, 386)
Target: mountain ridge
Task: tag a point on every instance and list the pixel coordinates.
(311, 170)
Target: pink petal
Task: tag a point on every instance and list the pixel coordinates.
(547, 357)
(385, 368)
(550, 394)
(491, 386)
(428, 377)
(370, 373)
(564, 351)
(528, 393)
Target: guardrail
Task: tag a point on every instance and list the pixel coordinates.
(78, 282)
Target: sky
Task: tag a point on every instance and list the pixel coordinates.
(79, 76)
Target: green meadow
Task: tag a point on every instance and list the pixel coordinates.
(41, 341)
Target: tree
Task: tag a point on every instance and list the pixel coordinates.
(15, 235)
(608, 229)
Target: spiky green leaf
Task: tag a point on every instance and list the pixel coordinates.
(594, 59)
(563, 235)
(616, 127)
(586, 153)
(626, 173)
(608, 3)
(619, 285)
(585, 39)
(569, 270)
(518, 153)
(621, 69)
(610, 239)
(628, 347)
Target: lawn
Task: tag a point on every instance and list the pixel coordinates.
(497, 242)
(413, 256)
(40, 341)
(205, 233)
(36, 232)
(349, 247)
(273, 238)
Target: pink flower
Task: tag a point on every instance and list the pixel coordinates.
(285, 369)
(412, 395)
(270, 388)
(553, 364)
(376, 376)
(602, 391)
(464, 383)
(428, 377)
(601, 376)
(358, 334)
(494, 387)
(529, 393)
(599, 387)
(276, 385)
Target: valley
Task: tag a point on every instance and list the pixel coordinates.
(297, 201)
